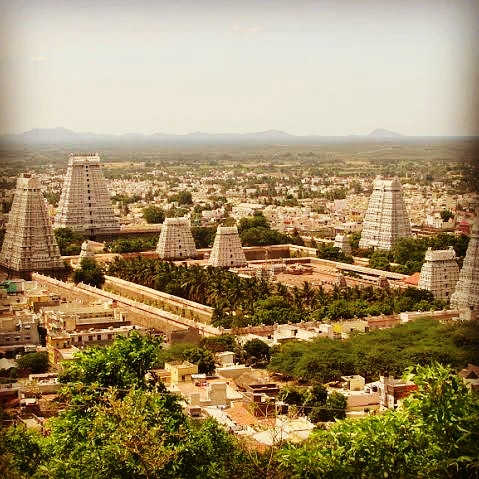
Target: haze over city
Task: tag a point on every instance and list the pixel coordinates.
(308, 68)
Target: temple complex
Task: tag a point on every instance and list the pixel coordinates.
(176, 241)
(85, 204)
(466, 294)
(386, 219)
(227, 251)
(29, 244)
(439, 273)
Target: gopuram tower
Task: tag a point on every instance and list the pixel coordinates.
(85, 203)
(29, 244)
(176, 241)
(386, 219)
(227, 251)
(466, 294)
(439, 273)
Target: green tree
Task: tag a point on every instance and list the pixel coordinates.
(122, 364)
(182, 198)
(202, 357)
(446, 215)
(37, 362)
(204, 236)
(433, 436)
(293, 396)
(153, 214)
(379, 260)
(68, 241)
(89, 273)
(256, 351)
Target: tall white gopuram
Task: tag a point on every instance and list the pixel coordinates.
(439, 273)
(386, 219)
(176, 241)
(85, 204)
(227, 251)
(466, 294)
(29, 244)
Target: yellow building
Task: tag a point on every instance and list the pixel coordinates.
(181, 372)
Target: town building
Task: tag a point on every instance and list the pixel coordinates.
(29, 244)
(85, 204)
(176, 241)
(439, 273)
(470, 377)
(386, 220)
(392, 391)
(466, 293)
(227, 251)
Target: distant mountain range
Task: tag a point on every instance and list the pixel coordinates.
(62, 135)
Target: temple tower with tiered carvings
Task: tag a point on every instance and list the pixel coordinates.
(29, 244)
(227, 251)
(176, 241)
(386, 220)
(439, 273)
(85, 204)
(466, 293)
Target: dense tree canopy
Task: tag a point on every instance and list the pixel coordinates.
(122, 364)
(37, 362)
(153, 214)
(383, 351)
(130, 245)
(256, 231)
(434, 436)
(68, 241)
(89, 273)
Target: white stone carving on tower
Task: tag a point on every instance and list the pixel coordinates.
(85, 204)
(386, 219)
(227, 251)
(176, 241)
(29, 244)
(342, 243)
(466, 294)
(439, 273)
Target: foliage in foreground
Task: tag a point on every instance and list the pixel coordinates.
(434, 436)
(117, 424)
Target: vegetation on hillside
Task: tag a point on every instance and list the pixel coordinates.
(116, 424)
(434, 435)
(113, 422)
(387, 351)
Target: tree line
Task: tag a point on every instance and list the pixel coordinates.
(387, 351)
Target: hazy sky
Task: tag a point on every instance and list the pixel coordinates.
(306, 67)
